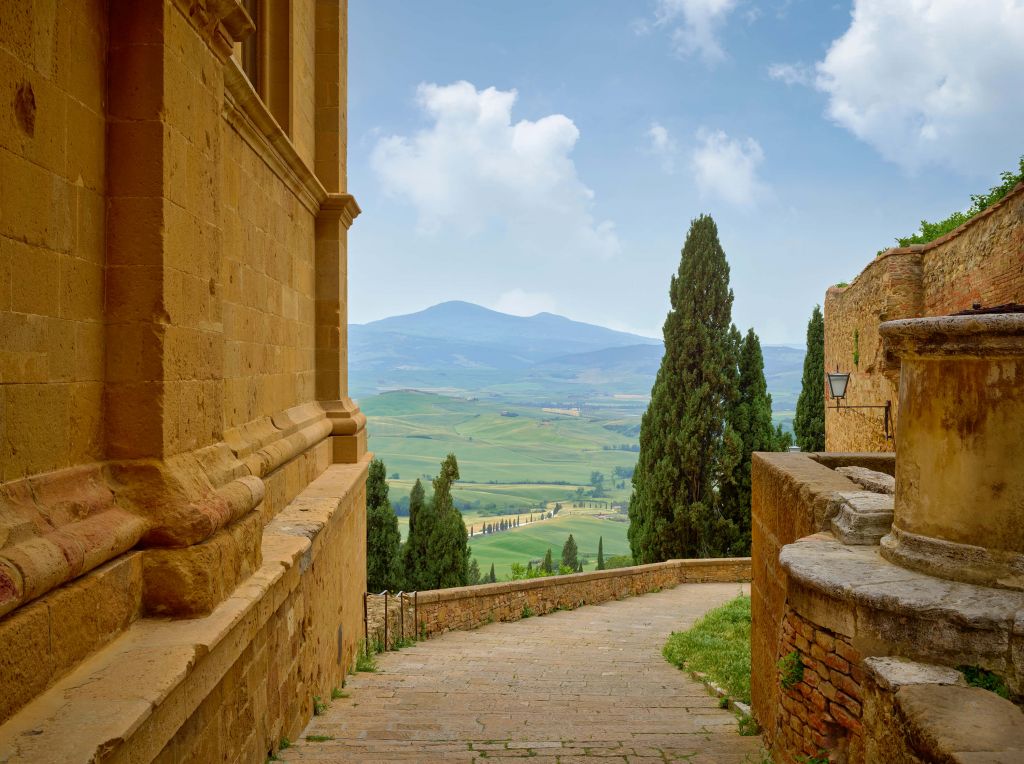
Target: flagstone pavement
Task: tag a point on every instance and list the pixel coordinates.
(587, 684)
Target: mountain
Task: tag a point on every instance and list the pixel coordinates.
(459, 341)
(545, 359)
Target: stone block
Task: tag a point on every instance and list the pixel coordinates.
(863, 518)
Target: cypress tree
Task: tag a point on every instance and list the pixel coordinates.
(673, 510)
(491, 577)
(809, 422)
(529, 567)
(569, 553)
(750, 429)
(473, 577)
(415, 553)
(548, 566)
(447, 562)
(383, 539)
(600, 553)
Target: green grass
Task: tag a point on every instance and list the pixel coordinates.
(530, 542)
(718, 645)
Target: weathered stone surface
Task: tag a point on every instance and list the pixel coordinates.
(870, 480)
(946, 723)
(891, 673)
(587, 685)
(863, 517)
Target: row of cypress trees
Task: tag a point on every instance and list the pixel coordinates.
(709, 410)
(436, 554)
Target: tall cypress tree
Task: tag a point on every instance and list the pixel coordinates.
(383, 540)
(600, 553)
(750, 426)
(491, 577)
(415, 553)
(809, 422)
(447, 562)
(570, 553)
(673, 511)
(548, 565)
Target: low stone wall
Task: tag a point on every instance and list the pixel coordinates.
(468, 607)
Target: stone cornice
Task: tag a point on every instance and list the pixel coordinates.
(342, 205)
(222, 23)
(247, 113)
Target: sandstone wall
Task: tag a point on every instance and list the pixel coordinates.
(173, 373)
(52, 240)
(982, 261)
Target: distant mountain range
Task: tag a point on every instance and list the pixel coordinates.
(464, 348)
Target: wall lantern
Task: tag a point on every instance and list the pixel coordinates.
(838, 382)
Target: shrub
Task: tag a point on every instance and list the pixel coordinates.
(791, 670)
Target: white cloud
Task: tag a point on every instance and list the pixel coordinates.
(473, 169)
(931, 82)
(693, 26)
(726, 168)
(662, 146)
(792, 74)
(519, 302)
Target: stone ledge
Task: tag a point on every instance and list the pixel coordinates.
(548, 582)
(126, 701)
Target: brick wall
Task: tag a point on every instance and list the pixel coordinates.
(981, 261)
(823, 710)
(471, 606)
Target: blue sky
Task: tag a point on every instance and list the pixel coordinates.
(537, 155)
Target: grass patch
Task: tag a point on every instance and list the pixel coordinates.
(791, 670)
(319, 706)
(718, 645)
(337, 693)
(365, 661)
(318, 738)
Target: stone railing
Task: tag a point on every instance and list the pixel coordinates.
(468, 607)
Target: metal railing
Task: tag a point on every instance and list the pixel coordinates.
(401, 596)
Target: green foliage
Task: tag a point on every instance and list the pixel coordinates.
(437, 553)
(415, 550)
(986, 680)
(548, 566)
(856, 348)
(809, 423)
(383, 541)
(718, 645)
(979, 202)
(338, 693)
(600, 553)
(791, 670)
(491, 577)
(822, 757)
(284, 745)
(674, 509)
(619, 561)
(570, 557)
(365, 660)
(473, 575)
(318, 738)
(748, 726)
(527, 612)
(319, 706)
(749, 428)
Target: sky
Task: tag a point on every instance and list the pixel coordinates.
(542, 155)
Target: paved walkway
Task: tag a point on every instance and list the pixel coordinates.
(573, 685)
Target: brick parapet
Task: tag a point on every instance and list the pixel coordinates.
(468, 607)
(982, 261)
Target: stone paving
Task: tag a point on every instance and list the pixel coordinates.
(573, 685)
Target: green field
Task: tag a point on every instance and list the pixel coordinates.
(532, 541)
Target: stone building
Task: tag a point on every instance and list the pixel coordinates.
(182, 504)
(981, 262)
(882, 581)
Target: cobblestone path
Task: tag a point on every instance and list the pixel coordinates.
(573, 685)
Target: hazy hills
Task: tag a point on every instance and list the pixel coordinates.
(543, 359)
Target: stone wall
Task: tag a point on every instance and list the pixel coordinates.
(173, 375)
(471, 606)
(793, 495)
(982, 261)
